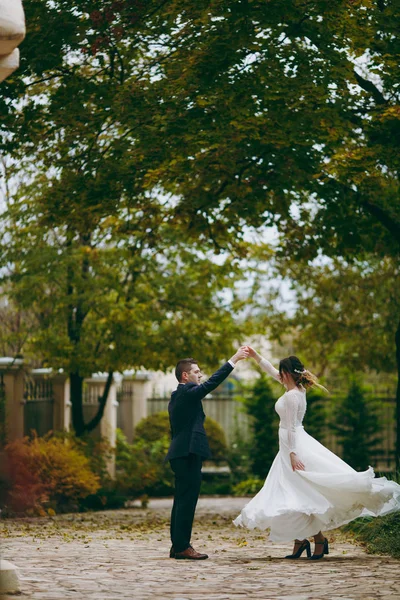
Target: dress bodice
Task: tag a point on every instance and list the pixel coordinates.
(291, 407)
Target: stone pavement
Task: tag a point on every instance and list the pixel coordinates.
(123, 555)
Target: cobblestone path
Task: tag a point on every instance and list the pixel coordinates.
(124, 555)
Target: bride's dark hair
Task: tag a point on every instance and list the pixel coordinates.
(300, 374)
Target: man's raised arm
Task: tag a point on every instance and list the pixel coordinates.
(200, 391)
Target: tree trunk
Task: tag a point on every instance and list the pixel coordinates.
(75, 318)
(102, 404)
(397, 449)
(76, 383)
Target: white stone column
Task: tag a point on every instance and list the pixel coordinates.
(62, 403)
(108, 424)
(135, 390)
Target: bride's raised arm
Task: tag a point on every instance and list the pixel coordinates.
(264, 364)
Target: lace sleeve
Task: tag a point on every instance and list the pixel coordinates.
(291, 407)
(270, 369)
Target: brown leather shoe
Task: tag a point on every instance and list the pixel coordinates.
(190, 554)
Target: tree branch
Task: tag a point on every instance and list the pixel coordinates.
(384, 218)
(371, 88)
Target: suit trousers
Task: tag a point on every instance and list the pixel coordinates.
(187, 470)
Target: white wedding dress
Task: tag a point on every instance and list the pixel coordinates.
(327, 494)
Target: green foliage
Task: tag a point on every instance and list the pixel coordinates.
(154, 427)
(133, 105)
(97, 451)
(216, 487)
(356, 426)
(260, 405)
(248, 487)
(47, 472)
(140, 467)
(97, 255)
(381, 535)
(216, 439)
(345, 313)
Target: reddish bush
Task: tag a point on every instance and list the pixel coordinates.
(47, 471)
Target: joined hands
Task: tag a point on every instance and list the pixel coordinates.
(245, 352)
(241, 354)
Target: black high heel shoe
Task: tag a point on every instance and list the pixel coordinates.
(325, 550)
(304, 546)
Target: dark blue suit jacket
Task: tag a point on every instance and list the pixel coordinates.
(186, 416)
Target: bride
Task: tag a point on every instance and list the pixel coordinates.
(308, 488)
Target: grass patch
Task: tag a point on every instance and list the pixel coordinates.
(380, 535)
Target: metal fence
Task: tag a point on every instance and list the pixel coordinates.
(125, 393)
(39, 406)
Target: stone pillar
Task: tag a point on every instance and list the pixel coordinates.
(62, 403)
(61, 396)
(13, 379)
(134, 391)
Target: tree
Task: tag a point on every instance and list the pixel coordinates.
(357, 427)
(90, 243)
(260, 405)
(341, 314)
(314, 149)
(316, 415)
(135, 299)
(311, 149)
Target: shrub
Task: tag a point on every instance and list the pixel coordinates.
(97, 451)
(153, 427)
(156, 427)
(249, 487)
(381, 535)
(140, 467)
(216, 488)
(216, 439)
(47, 472)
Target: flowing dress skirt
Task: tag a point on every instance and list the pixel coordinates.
(329, 493)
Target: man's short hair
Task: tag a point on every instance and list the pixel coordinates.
(184, 365)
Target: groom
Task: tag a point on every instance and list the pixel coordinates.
(189, 446)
